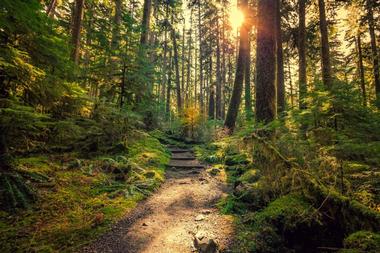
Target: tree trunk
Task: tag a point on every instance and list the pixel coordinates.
(280, 62)
(361, 69)
(211, 107)
(183, 64)
(247, 78)
(145, 24)
(189, 57)
(76, 30)
(234, 105)
(326, 65)
(302, 82)
(168, 89)
(51, 8)
(266, 62)
(116, 28)
(200, 58)
(218, 75)
(375, 56)
(176, 65)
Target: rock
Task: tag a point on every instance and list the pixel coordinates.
(205, 245)
(206, 211)
(200, 217)
(144, 224)
(200, 235)
(214, 171)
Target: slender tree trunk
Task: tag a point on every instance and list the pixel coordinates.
(116, 28)
(176, 65)
(375, 56)
(218, 75)
(168, 89)
(234, 105)
(361, 69)
(326, 65)
(145, 24)
(266, 62)
(183, 64)
(189, 57)
(302, 82)
(51, 8)
(211, 107)
(247, 78)
(224, 69)
(280, 62)
(290, 83)
(200, 58)
(76, 30)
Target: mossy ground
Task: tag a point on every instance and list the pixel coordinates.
(294, 221)
(78, 198)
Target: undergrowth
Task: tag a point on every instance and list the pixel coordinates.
(79, 197)
(296, 195)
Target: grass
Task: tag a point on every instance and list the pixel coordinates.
(83, 198)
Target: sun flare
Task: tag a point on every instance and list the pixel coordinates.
(236, 17)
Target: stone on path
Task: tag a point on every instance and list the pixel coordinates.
(200, 217)
(205, 245)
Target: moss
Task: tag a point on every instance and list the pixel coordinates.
(354, 167)
(237, 159)
(363, 241)
(286, 223)
(250, 176)
(84, 199)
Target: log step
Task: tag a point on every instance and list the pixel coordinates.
(183, 158)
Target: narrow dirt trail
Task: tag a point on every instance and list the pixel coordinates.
(180, 211)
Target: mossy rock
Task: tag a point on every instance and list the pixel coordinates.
(362, 241)
(238, 159)
(288, 223)
(250, 176)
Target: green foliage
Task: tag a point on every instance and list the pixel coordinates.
(78, 198)
(362, 241)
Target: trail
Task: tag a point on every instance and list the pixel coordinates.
(180, 211)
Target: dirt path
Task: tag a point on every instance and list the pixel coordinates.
(180, 211)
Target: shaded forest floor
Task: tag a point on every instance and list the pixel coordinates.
(180, 217)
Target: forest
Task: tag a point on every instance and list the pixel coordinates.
(174, 126)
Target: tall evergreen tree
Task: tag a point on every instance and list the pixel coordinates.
(266, 61)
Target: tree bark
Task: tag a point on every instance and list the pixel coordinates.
(51, 8)
(145, 24)
(235, 100)
(177, 75)
(116, 29)
(326, 65)
(361, 69)
(200, 58)
(375, 56)
(302, 82)
(266, 62)
(211, 107)
(247, 80)
(280, 62)
(218, 75)
(183, 64)
(168, 88)
(76, 30)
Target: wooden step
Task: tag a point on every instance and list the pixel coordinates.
(182, 166)
(178, 150)
(183, 158)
